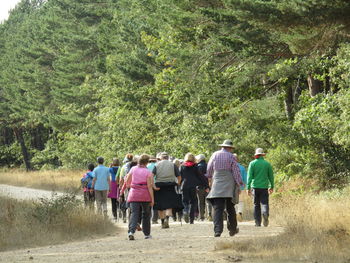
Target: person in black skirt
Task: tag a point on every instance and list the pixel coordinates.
(167, 176)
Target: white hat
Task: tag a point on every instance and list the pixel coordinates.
(259, 151)
(227, 143)
(200, 157)
(164, 154)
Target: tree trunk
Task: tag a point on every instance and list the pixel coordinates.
(7, 136)
(296, 93)
(20, 139)
(315, 86)
(288, 103)
(37, 138)
(327, 88)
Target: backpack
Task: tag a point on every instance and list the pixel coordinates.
(85, 181)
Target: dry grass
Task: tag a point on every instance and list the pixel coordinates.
(54, 180)
(50, 221)
(248, 206)
(317, 229)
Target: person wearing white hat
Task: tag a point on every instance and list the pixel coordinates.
(226, 178)
(260, 184)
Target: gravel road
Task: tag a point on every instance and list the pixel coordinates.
(180, 243)
(24, 193)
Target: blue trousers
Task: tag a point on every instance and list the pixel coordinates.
(261, 204)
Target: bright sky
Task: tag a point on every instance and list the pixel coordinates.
(5, 6)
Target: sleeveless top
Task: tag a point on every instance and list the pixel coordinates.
(165, 172)
(138, 187)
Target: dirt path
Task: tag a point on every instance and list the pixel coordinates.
(179, 243)
(24, 193)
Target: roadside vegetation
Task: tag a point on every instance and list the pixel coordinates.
(50, 221)
(316, 230)
(181, 77)
(63, 180)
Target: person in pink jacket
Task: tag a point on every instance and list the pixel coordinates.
(140, 182)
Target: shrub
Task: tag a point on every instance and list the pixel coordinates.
(50, 221)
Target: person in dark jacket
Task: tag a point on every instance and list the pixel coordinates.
(202, 189)
(191, 180)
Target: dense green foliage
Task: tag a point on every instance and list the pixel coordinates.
(82, 78)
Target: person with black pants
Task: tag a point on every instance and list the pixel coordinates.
(260, 184)
(191, 178)
(224, 172)
(202, 189)
(114, 187)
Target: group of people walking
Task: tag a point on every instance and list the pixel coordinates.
(161, 188)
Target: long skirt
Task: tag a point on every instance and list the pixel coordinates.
(166, 197)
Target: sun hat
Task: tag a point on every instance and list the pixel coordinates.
(152, 158)
(259, 151)
(164, 154)
(227, 143)
(200, 157)
(135, 158)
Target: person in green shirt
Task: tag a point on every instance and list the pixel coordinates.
(260, 184)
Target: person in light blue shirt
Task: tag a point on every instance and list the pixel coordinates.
(240, 205)
(101, 183)
(152, 163)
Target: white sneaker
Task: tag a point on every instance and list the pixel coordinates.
(148, 237)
